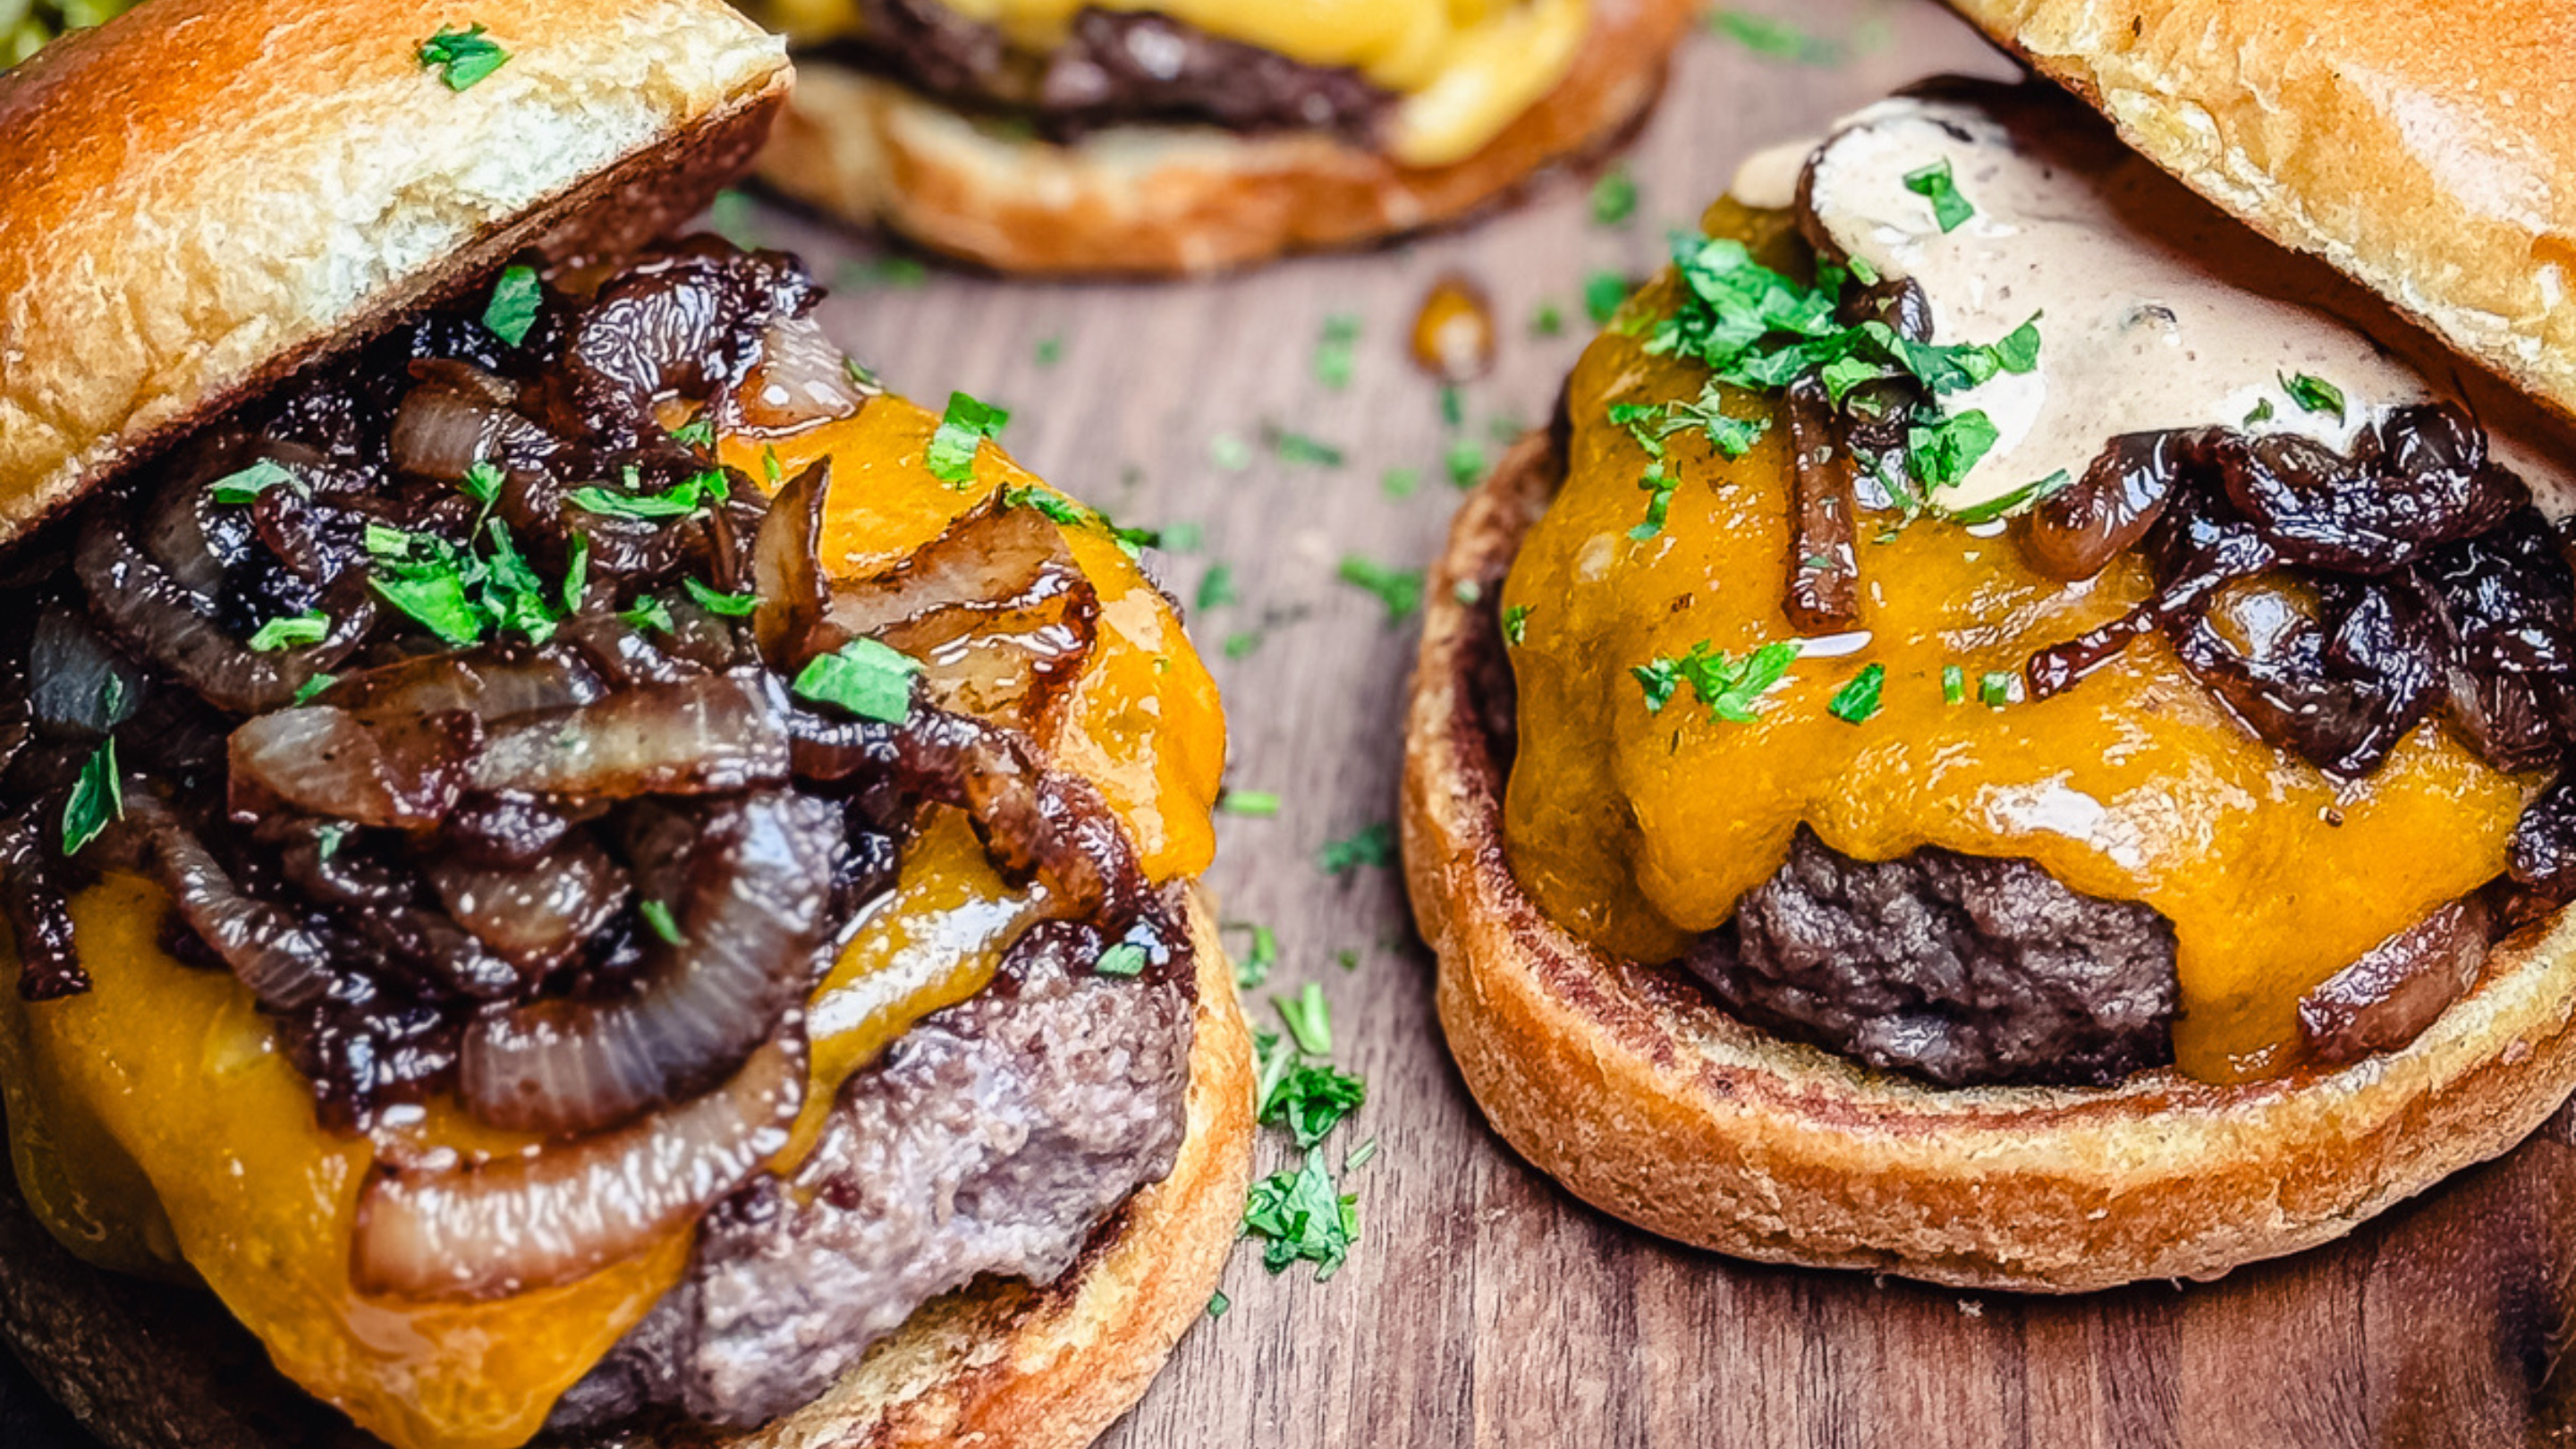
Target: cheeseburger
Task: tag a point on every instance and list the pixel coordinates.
(2014, 732)
(1159, 136)
(575, 867)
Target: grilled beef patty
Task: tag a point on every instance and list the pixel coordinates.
(1115, 68)
(993, 1138)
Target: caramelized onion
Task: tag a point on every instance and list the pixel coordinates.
(40, 920)
(77, 688)
(282, 963)
(787, 571)
(2386, 998)
(800, 380)
(491, 683)
(2075, 533)
(712, 735)
(400, 773)
(750, 921)
(516, 1224)
(155, 616)
(537, 915)
(1033, 821)
(1824, 568)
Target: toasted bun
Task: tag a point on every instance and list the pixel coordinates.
(1143, 200)
(1007, 1366)
(1626, 1084)
(206, 194)
(2427, 149)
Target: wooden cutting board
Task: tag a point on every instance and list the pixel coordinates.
(1482, 1306)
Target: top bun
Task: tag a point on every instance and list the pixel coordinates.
(188, 220)
(2427, 147)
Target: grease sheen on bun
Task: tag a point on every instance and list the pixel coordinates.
(1627, 1085)
(1163, 200)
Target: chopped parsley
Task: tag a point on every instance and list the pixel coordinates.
(291, 631)
(649, 614)
(1230, 452)
(1373, 844)
(1309, 1017)
(1855, 702)
(2260, 413)
(1614, 198)
(98, 796)
(1254, 968)
(1303, 1216)
(2314, 394)
(1939, 455)
(1728, 686)
(1218, 1304)
(867, 678)
(1399, 590)
(2019, 501)
(1995, 689)
(1453, 405)
(426, 578)
(1516, 624)
(1603, 292)
(248, 483)
(463, 58)
(716, 601)
(1299, 448)
(1465, 462)
(1547, 321)
(962, 431)
(1400, 483)
(1216, 588)
(657, 914)
(1935, 184)
(482, 483)
(576, 581)
(688, 496)
(513, 308)
(698, 432)
(305, 692)
(1954, 684)
(1337, 354)
(1251, 804)
(1310, 1101)
(1650, 425)
(1124, 959)
(1181, 537)
(1050, 351)
(1244, 644)
(1777, 39)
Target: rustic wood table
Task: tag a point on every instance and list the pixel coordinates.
(1482, 1306)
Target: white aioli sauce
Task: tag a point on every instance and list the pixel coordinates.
(2146, 317)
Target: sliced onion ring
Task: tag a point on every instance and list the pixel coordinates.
(283, 964)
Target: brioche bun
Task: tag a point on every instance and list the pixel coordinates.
(149, 1366)
(1628, 1085)
(1165, 200)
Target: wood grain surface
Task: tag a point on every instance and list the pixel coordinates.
(1482, 1307)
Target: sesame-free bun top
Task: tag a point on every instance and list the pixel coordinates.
(2425, 147)
(205, 194)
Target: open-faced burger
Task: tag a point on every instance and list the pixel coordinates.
(1186, 135)
(575, 867)
(2013, 733)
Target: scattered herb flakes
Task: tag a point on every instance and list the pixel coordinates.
(1253, 968)
(1516, 624)
(1547, 321)
(1310, 1101)
(657, 914)
(1251, 804)
(650, 615)
(1050, 351)
(716, 601)
(305, 692)
(1781, 40)
(241, 487)
(1243, 644)
(1858, 700)
(1309, 1017)
(425, 578)
(1995, 690)
(899, 272)
(2011, 505)
(462, 58)
(1614, 198)
(1660, 487)
(1453, 405)
(680, 500)
(865, 677)
(1940, 455)
(1400, 483)
(1218, 1304)
(697, 432)
(1303, 1216)
(1181, 537)
(1347, 959)
(482, 483)
(1124, 959)
(1299, 448)
(1935, 184)
(1230, 452)
(98, 796)
(2314, 394)
(1465, 462)
(576, 581)
(1372, 845)
(1361, 1156)
(1337, 352)
(291, 631)
(962, 431)
(1728, 686)
(1399, 590)
(513, 308)
(1954, 684)
(1216, 588)
(1603, 292)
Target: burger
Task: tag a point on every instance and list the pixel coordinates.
(574, 866)
(2013, 733)
(1163, 136)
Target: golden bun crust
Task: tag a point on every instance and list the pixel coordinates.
(1628, 1086)
(2427, 147)
(190, 217)
(1166, 201)
(1011, 1367)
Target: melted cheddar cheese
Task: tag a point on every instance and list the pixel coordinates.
(1638, 829)
(1464, 69)
(157, 1127)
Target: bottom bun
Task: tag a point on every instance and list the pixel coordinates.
(145, 1366)
(1626, 1084)
(1164, 200)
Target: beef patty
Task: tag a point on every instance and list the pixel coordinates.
(993, 1138)
(1114, 68)
(1954, 968)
